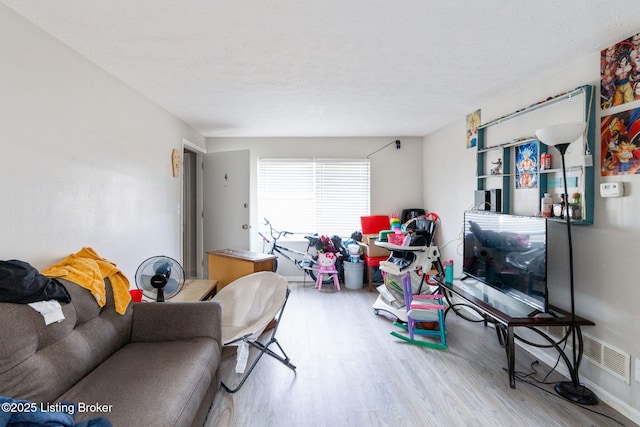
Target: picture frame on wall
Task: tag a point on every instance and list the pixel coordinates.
(473, 122)
(620, 73)
(620, 143)
(527, 164)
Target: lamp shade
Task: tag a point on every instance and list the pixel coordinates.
(564, 133)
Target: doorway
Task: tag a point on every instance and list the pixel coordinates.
(192, 206)
(189, 235)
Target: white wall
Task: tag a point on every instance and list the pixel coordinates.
(85, 160)
(396, 175)
(606, 281)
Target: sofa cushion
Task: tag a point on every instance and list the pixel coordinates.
(40, 362)
(150, 383)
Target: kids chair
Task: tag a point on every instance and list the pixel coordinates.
(422, 309)
(373, 224)
(327, 265)
(373, 261)
(251, 305)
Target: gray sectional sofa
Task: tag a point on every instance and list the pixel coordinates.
(156, 365)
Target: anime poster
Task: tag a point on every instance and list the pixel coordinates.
(527, 165)
(620, 73)
(473, 121)
(620, 141)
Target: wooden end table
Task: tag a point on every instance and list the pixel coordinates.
(196, 290)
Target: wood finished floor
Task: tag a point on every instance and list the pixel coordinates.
(351, 372)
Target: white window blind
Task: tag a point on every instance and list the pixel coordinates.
(326, 196)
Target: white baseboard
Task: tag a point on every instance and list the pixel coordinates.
(298, 279)
(604, 396)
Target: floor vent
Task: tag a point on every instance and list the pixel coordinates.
(611, 360)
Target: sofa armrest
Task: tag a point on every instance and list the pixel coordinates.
(170, 321)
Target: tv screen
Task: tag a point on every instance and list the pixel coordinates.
(509, 253)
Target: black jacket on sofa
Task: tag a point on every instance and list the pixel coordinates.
(21, 283)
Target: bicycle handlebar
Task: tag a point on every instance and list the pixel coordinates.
(275, 234)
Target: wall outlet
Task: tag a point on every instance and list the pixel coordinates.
(611, 189)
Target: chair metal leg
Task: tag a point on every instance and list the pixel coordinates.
(263, 350)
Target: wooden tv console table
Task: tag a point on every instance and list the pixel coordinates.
(507, 313)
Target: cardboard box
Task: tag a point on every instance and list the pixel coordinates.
(370, 248)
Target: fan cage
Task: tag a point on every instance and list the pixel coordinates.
(165, 272)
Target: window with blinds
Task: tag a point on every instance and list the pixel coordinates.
(324, 196)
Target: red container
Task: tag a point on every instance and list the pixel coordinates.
(136, 295)
(545, 161)
(374, 224)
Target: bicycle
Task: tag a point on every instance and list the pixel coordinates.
(308, 260)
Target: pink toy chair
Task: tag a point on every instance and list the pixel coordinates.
(423, 309)
(327, 265)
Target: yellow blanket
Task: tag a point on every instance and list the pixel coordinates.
(87, 269)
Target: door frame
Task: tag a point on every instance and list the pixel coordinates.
(199, 201)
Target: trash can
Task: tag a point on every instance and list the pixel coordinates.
(353, 275)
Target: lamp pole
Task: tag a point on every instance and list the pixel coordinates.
(561, 136)
(572, 390)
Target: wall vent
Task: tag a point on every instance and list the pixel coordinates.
(614, 361)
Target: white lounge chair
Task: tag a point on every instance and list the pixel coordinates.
(249, 305)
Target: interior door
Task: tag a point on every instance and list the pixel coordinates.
(226, 200)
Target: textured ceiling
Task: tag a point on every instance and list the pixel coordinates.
(329, 67)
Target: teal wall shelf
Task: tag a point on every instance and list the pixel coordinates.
(548, 179)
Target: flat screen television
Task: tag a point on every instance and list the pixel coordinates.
(509, 253)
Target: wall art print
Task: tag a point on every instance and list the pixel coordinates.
(527, 165)
(620, 143)
(473, 121)
(620, 73)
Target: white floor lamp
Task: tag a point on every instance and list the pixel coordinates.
(560, 137)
